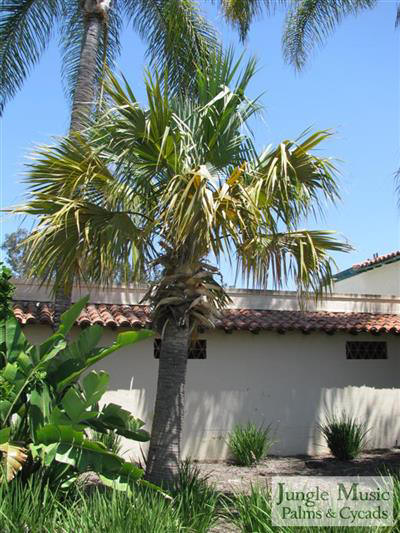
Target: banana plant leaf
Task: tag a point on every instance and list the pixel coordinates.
(122, 480)
(84, 455)
(69, 317)
(75, 360)
(113, 417)
(40, 383)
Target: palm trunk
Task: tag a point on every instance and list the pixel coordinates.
(62, 300)
(82, 104)
(165, 444)
(86, 82)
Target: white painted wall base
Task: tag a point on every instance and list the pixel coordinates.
(288, 381)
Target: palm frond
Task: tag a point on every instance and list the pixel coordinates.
(310, 22)
(397, 23)
(80, 240)
(25, 31)
(302, 256)
(178, 37)
(80, 204)
(175, 134)
(293, 182)
(397, 186)
(241, 13)
(71, 39)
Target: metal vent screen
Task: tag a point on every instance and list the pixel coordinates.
(366, 350)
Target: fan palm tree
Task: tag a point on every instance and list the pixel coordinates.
(173, 184)
(178, 37)
(308, 22)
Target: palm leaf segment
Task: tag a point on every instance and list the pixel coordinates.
(310, 22)
(241, 13)
(177, 36)
(182, 176)
(25, 31)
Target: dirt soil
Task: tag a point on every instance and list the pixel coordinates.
(229, 478)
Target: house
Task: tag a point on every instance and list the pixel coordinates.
(379, 275)
(268, 361)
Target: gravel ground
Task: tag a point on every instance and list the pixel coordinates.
(229, 478)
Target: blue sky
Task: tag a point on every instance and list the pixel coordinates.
(351, 85)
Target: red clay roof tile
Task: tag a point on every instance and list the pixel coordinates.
(138, 316)
(376, 260)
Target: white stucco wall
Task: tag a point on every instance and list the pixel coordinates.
(358, 301)
(381, 280)
(288, 381)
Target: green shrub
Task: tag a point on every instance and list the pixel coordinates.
(47, 412)
(33, 507)
(345, 437)
(30, 506)
(195, 499)
(249, 444)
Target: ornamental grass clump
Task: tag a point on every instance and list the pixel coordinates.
(250, 512)
(196, 500)
(249, 444)
(345, 437)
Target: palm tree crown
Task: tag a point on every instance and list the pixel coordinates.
(175, 184)
(160, 175)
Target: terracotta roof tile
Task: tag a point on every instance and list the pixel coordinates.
(376, 260)
(138, 316)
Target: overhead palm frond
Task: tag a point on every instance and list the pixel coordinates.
(71, 38)
(178, 37)
(25, 31)
(397, 23)
(241, 13)
(310, 22)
